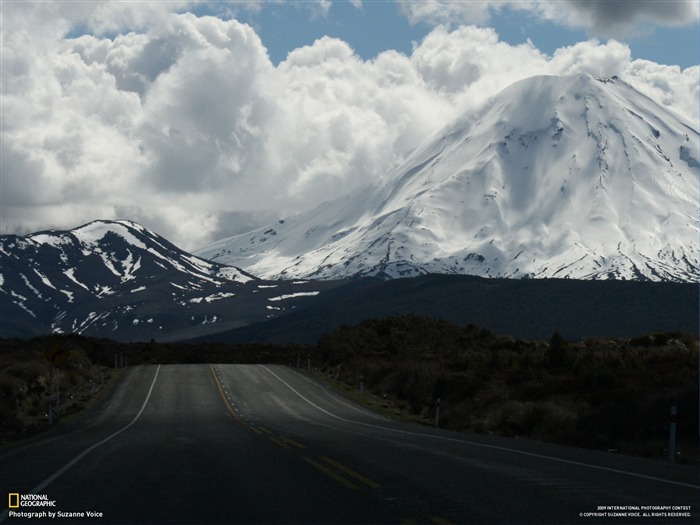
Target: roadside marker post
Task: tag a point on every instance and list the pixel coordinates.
(58, 389)
(437, 412)
(672, 437)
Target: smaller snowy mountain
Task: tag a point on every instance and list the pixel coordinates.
(566, 177)
(117, 279)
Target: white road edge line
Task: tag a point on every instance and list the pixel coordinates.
(493, 447)
(361, 410)
(41, 486)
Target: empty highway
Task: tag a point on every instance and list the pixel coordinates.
(268, 444)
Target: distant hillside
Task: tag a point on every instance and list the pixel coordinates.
(522, 308)
(120, 280)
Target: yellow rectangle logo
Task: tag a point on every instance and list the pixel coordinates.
(13, 500)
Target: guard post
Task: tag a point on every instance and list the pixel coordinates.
(673, 419)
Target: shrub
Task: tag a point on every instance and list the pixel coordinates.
(557, 352)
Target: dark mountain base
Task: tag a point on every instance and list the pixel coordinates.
(524, 309)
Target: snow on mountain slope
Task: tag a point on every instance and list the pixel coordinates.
(575, 176)
(120, 280)
(108, 253)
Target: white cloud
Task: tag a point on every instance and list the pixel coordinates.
(186, 125)
(668, 85)
(439, 12)
(614, 18)
(605, 18)
(604, 60)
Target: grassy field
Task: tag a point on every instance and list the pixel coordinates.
(609, 394)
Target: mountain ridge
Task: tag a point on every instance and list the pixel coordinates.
(118, 279)
(556, 178)
(122, 282)
(575, 177)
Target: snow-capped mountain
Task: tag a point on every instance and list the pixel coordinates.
(120, 280)
(576, 176)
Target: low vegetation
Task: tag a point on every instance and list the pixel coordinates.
(598, 393)
(28, 385)
(28, 379)
(610, 394)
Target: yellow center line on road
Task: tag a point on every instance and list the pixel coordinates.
(359, 477)
(278, 441)
(294, 443)
(226, 401)
(286, 442)
(281, 441)
(331, 474)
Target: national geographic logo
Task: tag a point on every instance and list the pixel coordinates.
(17, 500)
(39, 506)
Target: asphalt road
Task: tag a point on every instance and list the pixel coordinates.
(267, 444)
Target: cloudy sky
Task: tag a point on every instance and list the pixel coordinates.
(204, 119)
